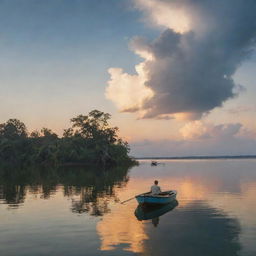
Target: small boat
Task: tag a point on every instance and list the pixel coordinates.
(154, 211)
(154, 163)
(162, 198)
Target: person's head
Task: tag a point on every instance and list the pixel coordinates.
(156, 182)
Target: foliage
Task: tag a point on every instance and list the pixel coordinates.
(90, 140)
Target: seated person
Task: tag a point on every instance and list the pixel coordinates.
(155, 189)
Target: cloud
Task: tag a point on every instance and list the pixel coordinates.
(194, 130)
(201, 138)
(165, 14)
(241, 109)
(187, 71)
(199, 130)
(128, 91)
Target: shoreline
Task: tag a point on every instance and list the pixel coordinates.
(197, 157)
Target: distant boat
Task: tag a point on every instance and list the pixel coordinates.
(162, 198)
(151, 212)
(154, 163)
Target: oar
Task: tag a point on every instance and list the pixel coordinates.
(127, 200)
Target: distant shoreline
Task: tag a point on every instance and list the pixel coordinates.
(197, 157)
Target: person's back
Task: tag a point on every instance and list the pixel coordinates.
(155, 189)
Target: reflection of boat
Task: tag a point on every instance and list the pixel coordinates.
(154, 163)
(162, 198)
(152, 212)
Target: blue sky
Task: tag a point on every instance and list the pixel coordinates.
(56, 52)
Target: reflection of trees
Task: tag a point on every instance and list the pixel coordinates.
(195, 230)
(13, 194)
(91, 203)
(90, 190)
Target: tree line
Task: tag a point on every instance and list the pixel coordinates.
(90, 140)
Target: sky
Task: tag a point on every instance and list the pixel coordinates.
(177, 76)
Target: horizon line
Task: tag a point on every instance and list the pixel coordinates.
(198, 157)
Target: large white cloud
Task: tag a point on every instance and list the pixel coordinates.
(128, 91)
(166, 13)
(187, 71)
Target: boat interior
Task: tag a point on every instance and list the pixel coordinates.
(162, 194)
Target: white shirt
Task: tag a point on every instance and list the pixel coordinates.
(155, 190)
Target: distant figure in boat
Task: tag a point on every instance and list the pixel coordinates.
(155, 189)
(154, 163)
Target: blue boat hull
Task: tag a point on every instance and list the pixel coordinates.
(147, 198)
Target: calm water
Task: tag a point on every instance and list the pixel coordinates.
(78, 212)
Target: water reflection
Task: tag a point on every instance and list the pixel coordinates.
(153, 212)
(90, 190)
(14, 195)
(215, 215)
(214, 201)
(120, 230)
(197, 229)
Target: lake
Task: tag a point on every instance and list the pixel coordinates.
(78, 211)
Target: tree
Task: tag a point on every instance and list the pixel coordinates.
(35, 134)
(13, 129)
(90, 140)
(48, 133)
(95, 126)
